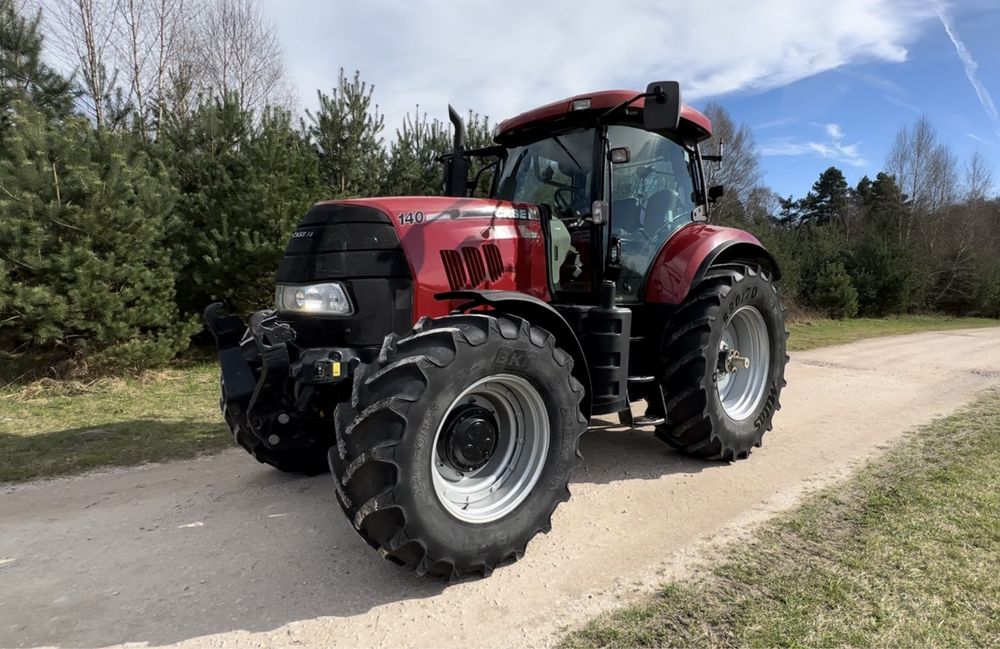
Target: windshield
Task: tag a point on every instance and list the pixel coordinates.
(652, 195)
(556, 171)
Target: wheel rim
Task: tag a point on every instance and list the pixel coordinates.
(744, 362)
(506, 474)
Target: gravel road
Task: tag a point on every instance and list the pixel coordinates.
(221, 551)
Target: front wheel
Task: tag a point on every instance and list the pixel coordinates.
(724, 359)
(458, 443)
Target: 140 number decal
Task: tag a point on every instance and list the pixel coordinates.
(409, 218)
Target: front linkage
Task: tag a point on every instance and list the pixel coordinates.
(278, 397)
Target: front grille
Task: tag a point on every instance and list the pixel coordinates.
(466, 268)
(493, 261)
(474, 262)
(454, 269)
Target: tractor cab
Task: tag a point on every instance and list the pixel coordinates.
(614, 179)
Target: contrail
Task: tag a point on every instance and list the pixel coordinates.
(968, 62)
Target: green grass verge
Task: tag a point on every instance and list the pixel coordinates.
(822, 333)
(53, 428)
(905, 554)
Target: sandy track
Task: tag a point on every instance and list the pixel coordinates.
(221, 551)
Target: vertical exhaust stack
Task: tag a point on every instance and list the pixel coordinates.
(459, 138)
(456, 165)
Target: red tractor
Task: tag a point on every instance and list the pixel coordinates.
(443, 355)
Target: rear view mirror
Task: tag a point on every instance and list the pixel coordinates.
(620, 155)
(715, 192)
(662, 106)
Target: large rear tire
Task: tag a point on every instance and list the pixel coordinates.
(724, 364)
(458, 443)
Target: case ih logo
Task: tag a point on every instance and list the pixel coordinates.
(302, 234)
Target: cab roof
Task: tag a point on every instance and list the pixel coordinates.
(693, 124)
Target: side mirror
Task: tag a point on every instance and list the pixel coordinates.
(715, 192)
(662, 106)
(619, 155)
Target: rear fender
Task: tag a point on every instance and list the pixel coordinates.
(686, 256)
(538, 313)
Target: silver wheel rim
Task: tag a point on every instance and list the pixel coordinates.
(497, 488)
(742, 377)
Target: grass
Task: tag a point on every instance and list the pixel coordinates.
(822, 333)
(903, 555)
(51, 428)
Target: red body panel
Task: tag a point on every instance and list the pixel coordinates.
(692, 121)
(677, 263)
(448, 223)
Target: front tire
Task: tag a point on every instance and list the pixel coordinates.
(724, 359)
(458, 443)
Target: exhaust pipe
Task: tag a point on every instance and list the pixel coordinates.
(456, 120)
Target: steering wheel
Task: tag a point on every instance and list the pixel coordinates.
(563, 198)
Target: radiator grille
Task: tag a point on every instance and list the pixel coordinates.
(466, 267)
(494, 264)
(454, 269)
(474, 263)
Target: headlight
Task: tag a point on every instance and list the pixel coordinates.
(322, 299)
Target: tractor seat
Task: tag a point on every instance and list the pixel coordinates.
(626, 215)
(661, 207)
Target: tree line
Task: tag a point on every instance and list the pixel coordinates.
(922, 235)
(151, 161)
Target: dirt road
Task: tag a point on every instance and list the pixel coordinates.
(222, 552)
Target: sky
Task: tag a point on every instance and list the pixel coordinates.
(821, 82)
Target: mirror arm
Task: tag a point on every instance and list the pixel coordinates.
(624, 104)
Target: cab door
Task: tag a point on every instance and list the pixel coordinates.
(652, 195)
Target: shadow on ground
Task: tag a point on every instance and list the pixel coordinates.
(219, 545)
(119, 443)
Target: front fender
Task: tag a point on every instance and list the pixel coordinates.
(687, 255)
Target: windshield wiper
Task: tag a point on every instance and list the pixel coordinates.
(562, 146)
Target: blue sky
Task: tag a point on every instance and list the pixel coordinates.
(821, 82)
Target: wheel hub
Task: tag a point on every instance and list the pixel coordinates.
(470, 438)
(731, 362)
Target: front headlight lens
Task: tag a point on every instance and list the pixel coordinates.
(328, 298)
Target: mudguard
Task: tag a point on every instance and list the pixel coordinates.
(687, 255)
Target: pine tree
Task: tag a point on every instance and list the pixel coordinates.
(85, 276)
(413, 166)
(81, 227)
(24, 77)
(884, 271)
(834, 292)
(347, 133)
(828, 199)
(244, 185)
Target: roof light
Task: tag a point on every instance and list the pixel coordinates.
(581, 104)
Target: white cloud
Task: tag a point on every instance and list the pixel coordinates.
(503, 58)
(833, 149)
(968, 62)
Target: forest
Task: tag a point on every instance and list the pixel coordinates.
(154, 159)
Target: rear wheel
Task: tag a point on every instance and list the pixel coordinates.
(458, 443)
(724, 358)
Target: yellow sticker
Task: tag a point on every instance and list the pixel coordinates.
(335, 369)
